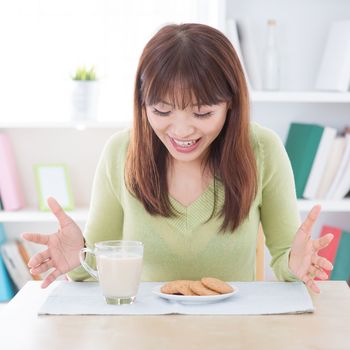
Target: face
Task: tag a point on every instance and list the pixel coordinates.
(188, 133)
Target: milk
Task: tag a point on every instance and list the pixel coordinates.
(119, 274)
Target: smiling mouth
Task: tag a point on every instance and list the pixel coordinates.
(185, 144)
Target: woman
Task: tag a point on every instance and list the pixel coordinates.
(193, 178)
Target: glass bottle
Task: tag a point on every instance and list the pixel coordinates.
(271, 64)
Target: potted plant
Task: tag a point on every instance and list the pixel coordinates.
(85, 94)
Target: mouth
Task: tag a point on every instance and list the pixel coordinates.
(185, 143)
(184, 146)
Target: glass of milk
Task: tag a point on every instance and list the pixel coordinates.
(119, 268)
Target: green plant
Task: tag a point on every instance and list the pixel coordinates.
(85, 74)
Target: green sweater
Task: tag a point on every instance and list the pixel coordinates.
(188, 247)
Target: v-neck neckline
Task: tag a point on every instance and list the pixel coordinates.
(203, 197)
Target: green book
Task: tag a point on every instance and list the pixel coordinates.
(341, 270)
(301, 145)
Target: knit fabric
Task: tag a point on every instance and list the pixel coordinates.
(190, 246)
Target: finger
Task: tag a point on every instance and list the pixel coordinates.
(315, 271)
(321, 262)
(309, 282)
(38, 258)
(57, 210)
(322, 242)
(45, 266)
(50, 278)
(35, 237)
(306, 226)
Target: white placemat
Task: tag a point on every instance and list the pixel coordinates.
(253, 298)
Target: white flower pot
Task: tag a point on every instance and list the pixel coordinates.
(84, 100)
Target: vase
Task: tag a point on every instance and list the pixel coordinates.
(85, 100)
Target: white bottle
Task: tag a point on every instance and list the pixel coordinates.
(271, 64)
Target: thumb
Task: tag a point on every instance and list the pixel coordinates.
(57, 210)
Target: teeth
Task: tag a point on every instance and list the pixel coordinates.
(185, 143)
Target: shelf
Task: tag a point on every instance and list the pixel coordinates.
(121, 124)
(256, 97)
(300, 96)
(32, 215)
(81, 214)
(327, 205)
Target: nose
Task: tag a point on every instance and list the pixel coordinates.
(182, 127)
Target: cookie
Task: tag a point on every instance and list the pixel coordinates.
(216, 285)
(183, 287)
(169, 288)
(198, 288)
(177, 287)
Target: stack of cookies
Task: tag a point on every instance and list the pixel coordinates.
(205, 287)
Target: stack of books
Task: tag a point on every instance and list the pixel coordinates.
(320, 160)
(14, 271)
(337, 252)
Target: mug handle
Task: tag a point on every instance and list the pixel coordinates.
(85, 265)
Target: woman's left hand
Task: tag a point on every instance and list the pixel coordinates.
(304, 261)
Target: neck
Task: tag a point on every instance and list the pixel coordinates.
(195, 171)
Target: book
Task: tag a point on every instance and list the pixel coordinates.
(15, 265)
(10, 188)
(247, 40)
(334, 72)
(301, 146)
(32, 249)
(3, 236)
(340, 185)
(233, 35)
(341, 270)
(333, 163)
(330, 251)
(320, 163)
(7, 287)
(25, 254)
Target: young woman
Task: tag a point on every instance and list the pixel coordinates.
(193, 178)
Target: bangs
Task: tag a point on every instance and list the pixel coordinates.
(184, 81)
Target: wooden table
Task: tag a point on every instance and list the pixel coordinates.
(327, 328)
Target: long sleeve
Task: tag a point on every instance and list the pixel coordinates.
(279, 212)
(105, 220)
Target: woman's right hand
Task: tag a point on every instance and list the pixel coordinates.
(63, 246)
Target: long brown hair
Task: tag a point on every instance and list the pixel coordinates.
(182, 63)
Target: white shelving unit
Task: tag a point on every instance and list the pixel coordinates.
(31, 215)
(300, 97)
(34, 215)
(339, 206)
(79, 126)
(300, 44)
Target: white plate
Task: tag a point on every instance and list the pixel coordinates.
(197, 299)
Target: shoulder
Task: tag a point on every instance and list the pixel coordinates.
(112, 160)
(118, 141)
(116, 146)
(114, 152)
(267, 145)
(264, 138)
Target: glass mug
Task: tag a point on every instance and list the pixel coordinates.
(119, 268)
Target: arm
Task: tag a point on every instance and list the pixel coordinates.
(279, 212)
(105, 221)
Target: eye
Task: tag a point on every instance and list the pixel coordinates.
(204, 115)
(163, 114)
